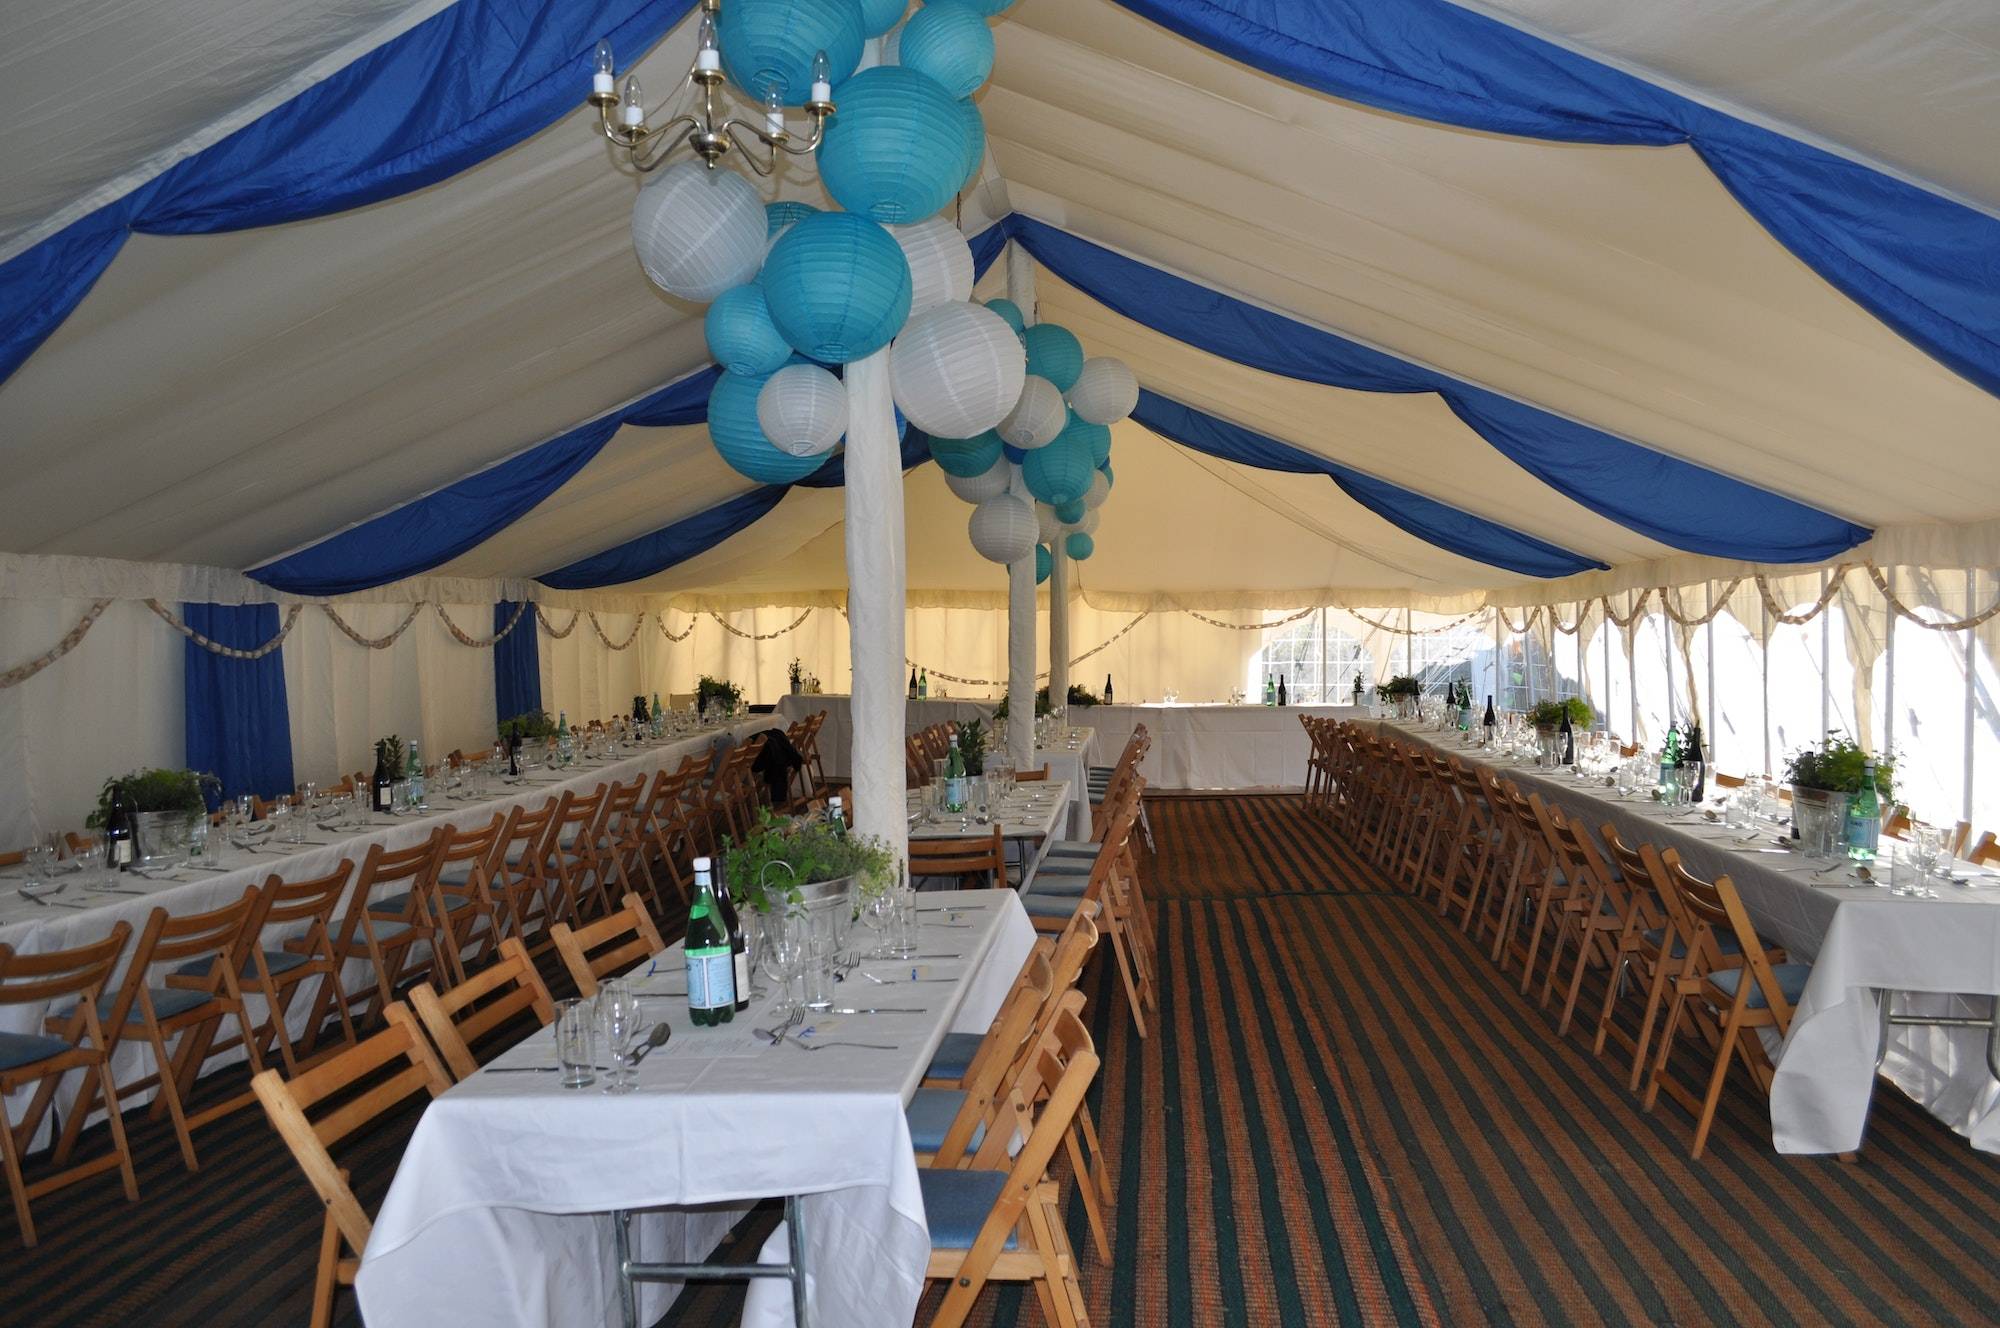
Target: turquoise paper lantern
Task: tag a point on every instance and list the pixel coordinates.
(1055, 354)
(783, 213)
(984, 8)
(878, 16)
(1045, 563)
(741, 335)
(1093, 438)
(838, 287)
(1059, 473)
(975, 140)
(896, 150)
(1079, 546)
(1010, 311)
(966, 457)
(767, 43)
(732, 425)
(1109, 478)
(1070, 513)
(951, 43)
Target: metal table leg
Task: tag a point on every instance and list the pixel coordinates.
(632, 1271)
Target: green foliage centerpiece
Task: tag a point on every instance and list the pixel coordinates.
(783, 855)
(719, 692)
(1548, 715)
(157, 790)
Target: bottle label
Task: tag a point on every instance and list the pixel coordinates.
(954, 794)
(741, 978)
(711, 979)
(121, 852)
(1864, 832)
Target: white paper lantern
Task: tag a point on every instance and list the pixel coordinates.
(1089, 523)
(1105, 392)
(1037, 417)
(980, 488)
(1100, 489)
(940, 262)
(698, 232)
(956, 369)
(1049, 526)
(802, 409)
(1003, 529)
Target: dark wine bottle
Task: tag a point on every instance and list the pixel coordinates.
(639, 715)
(119, 846)
(711, 961)
(382, 786)
(1696, 761)
(1569, 739)
(739, 945)
(913, 684)
(1282, 698)
(1107, 689)
(1492, 721)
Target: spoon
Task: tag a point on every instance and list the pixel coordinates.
(657, 1038)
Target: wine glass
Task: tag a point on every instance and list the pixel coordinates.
(784, 957)
(619, 1016)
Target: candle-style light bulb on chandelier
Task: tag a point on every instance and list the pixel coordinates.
(705, 130)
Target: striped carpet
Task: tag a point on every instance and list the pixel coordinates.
(1344, 1117)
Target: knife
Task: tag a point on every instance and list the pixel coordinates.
(879, 1009)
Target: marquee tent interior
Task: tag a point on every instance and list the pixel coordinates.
(1458, 371)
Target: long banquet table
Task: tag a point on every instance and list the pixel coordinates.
(498, 1211)
(836, 739)
(33, 928)
(1862, 941)
(1211, 746)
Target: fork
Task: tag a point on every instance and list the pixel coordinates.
(822, 1046)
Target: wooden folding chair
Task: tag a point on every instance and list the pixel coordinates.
(77, 975)
(481, 1004)
(386, 941)
(569, 859)
(519, 887)
(199, 991)
(458, 885)
(988, 1224)
(976, 858)
(370, 1079)
(609, 945)
(277, 975)
(668, 818)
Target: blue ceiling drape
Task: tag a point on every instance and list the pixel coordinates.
(1440, 524)
(461, 86)
(1664, 498)
(235, 719)
(440, 526)
(1927, 266)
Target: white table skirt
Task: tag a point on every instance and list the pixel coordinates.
(33, 929)
(1211, 746)
(496, 1213)
(1860, 942)
(1072, 766)
(836, 737)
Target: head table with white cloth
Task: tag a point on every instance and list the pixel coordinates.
(86, 908)
(1862, 940)
(836, 739)
(498, 1211)
(1211, 746)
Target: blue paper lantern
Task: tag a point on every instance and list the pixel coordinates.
(838, 287)
(984, 8)
(741, 335)
(966, 457)
(1045, 563)
(771, 43)
(896, 150)
(1014, 454)
(732, 425)
(1079, 546)
(783, 213)
(1059, 473)
(951, 43)
(975, 140)
(1070, 513)
(1093, 438)
(1010, 311)
(878, 16)
(1055, 354)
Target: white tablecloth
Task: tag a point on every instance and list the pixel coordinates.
(1211, 746)
(1071, 764)
(836, 737)
(1031, 820)
(495, 1215)
(32, 929)
(1860, 941)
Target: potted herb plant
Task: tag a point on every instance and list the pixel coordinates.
(1824, 776)
(719, 692)
(788, 863)
(972, 746)
(795, 673)
(1547, 716)
(1403, 689)
(529, 726)
(166, 806)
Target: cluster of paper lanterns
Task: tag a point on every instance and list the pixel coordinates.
(1039, 476)
(794, 292)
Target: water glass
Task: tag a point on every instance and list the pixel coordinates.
(785, 957)
(1925, 843)
(576, 1042)
(816, 977)
(618, 1014)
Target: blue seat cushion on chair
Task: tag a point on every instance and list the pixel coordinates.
(392, 906)
(167, 1002)
(1060, 887)
(954, 1055)
(957, 1204)
(1049, 906)
(278, 961)
(1077, 867)
(930, 1115)
(18, 1049)
(1791, 982)
(1724, 941)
